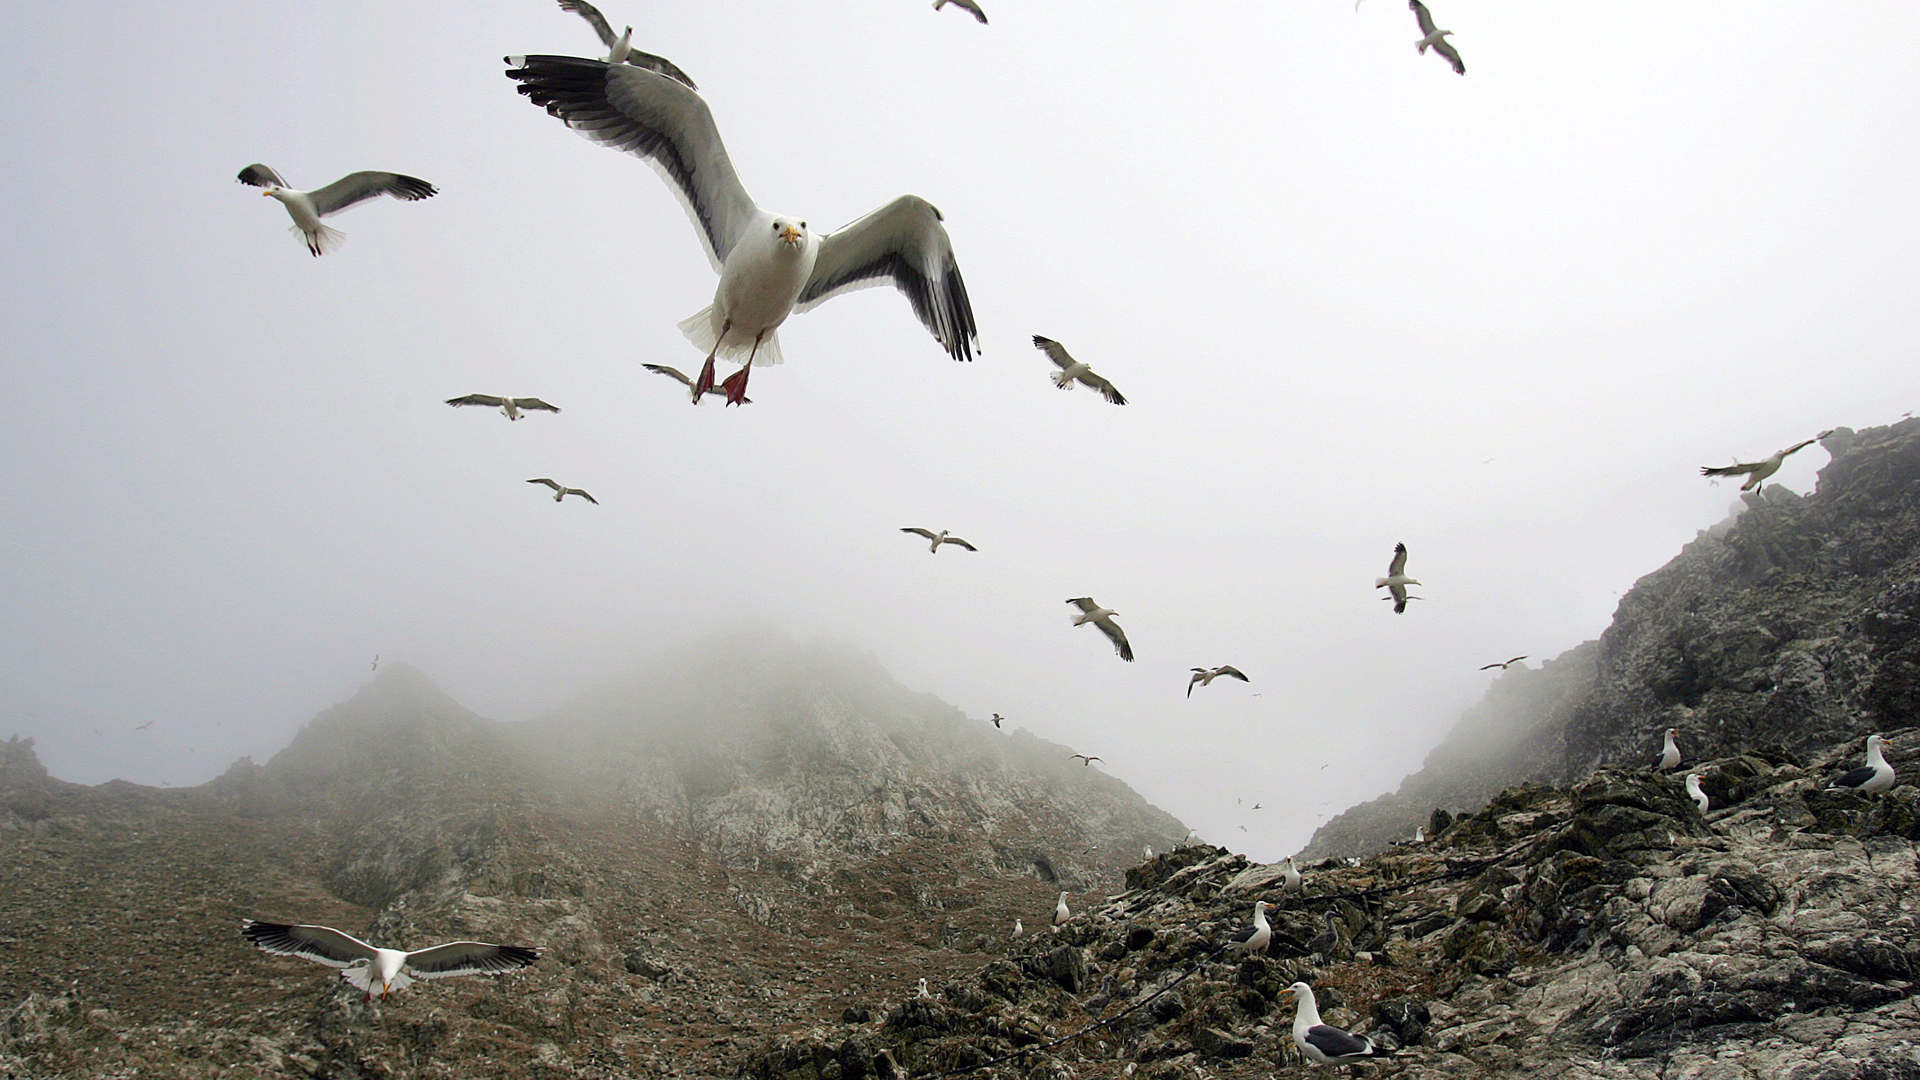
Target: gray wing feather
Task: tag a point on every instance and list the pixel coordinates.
(1422, 16)
(477, 399)
(468, 958)
(1117, 636)
(919, 532)
(261, 176)
(671, 372)
(594, 19)
(356, 188)
(534, 403)
(322, 944)
(1446, 49)
(1334, 1043)
(1084, 603)
(1055, 351)
(905, 243)
(1399, 562)
(1105, 388)
(547, 481)
(1230, 672)
(656, 119)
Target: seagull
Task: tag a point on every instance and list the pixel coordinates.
(308, 207)
(1502, 665)
(1257, 806)
(1061, 913)
(1091, 612)
(510, 407)
(1018, 929)
(770, 265)
(1420, 834)
(1072, 371)
(1436, 38)
(560, 492)
(1325, 942)
(1205, 676)
(620, 50)
(1670, 752)
(1873, 777)
(1084, 759)
(1147, 852)
(1098, 1003)
(924, 993)
(1396, 581)
(392, 969)
(963, 5)
(996, 718)
(1290, 876)
(1252, 939)
(1699, 797)
(1757, 471)
(1320, 1042)
(376, 661)
(144, 726)
(681, 377)
(941, 537)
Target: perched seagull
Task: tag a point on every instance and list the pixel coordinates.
(391, 969)
(1502, 665)
(1072, 371)
(1396, 581)
(620, 50)
(1757, 471)
(561, 492)
(1670, 752)
(1699, 797)
(1435, 38)
(308, 207)
(1319, 1042)
(681, 377)
(1290, 876)
(1018, 929)
(1873, 777)
(1098, 1003)
(510, 407)
(1325, 942)
(963, 5)
(1252, 939)
(924, 993)
(1091, 612)
(1205, 676)
(1060, 911)
(770, 265)
(1420, 834)
(996, 718)
(1147, 852)
(1084, 759)
(939, 538)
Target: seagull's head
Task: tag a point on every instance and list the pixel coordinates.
(789, 232)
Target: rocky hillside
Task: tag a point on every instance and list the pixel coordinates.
(824, 834)
(1794, 624)
(1606, 930)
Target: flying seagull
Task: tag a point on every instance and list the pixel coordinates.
(963, 5)
(365, 966)
(510, 407)
(770, 265)
(938, 538)
(1084, 759)
(1435, 38)
(1072, 371)
(1502, 665)
(1873, 777)
(308, 207)
(143, 727)
(1252, 939)
(1320, 1042)
(681, 377)
(1669, 751)
(1061, 913)
(1091, 612)
(997, 718)
(561, 492)
(376, 661)
(620, 50)
(1693, 790)
(1396, 581)
(1205, 676)
(1757, 471)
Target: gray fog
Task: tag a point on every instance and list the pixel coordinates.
(1351, 298)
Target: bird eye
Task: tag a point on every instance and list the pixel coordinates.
(803, 224)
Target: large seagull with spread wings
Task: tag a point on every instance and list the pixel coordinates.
(367, 967)
(770, 265)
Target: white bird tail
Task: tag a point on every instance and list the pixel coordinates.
(700, 328)
(1062, 380)
(324, 240)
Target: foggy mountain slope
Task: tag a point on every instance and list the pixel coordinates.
(1794, 624)
(760, 744)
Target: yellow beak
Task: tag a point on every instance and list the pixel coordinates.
(790, 234)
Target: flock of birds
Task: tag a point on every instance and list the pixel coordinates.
(770, 266)
(1871, 778)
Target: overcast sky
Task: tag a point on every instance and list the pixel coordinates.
(1351, 297)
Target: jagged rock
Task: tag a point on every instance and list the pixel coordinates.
(1215, 1043)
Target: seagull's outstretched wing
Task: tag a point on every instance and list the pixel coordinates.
(582, 493)
(469, 958)
(1737, 469)
(356, 188)
(904, 242)
(477, 399)
(656, 119)
(670, 372)
(604, 30)
(1117, 636)
(965, 5)
(1230, 672)
(262, 176)
(920, 532)
(1445, 48)
(322, 944)
(534, 403)
(962, 543)
(1420, 15)
(1399, 563)
(554, 484)
(1105, 388)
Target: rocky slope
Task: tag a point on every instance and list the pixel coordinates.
(1794, 624)
(676, 886)
(1606, 930)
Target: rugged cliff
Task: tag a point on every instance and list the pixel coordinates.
(1794, 624)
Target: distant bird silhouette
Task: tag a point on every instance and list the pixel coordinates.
(561, 491)
(686, 380)
(1205, 676)
(1091, 612)
(1757, 471)
(963, 5)
(1084, 759)
(997, 718)
(1503, 665)
(941, 537)
(1072, 371)
(1873, 777)
(510, 407)
(144, 726)
(1396, 581)
(1435, 39)
(376, 661)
